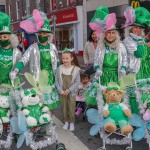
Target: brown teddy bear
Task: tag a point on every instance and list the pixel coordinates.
(115, 111)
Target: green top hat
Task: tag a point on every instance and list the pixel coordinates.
(46, 27)
(4, 24)
(142, 17)
(137, 17)
(101, 12)
(114, 86)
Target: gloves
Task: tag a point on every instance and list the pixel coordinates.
(98, 73)
(122, 72)
(139, 52)
(13, 75)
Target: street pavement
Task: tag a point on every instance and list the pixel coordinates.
(80, 138)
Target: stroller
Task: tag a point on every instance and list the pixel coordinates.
(33, 123)
(5, 129)
(143, 99)
(96, 117)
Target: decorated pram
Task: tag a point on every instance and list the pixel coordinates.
(141, 122)
(117, 136)
(33, 122)
(5, 106)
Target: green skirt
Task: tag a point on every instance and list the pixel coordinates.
(91, 93)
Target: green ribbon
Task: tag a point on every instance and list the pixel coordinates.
(27, 92)
(112, 88)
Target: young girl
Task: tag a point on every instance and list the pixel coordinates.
(67, 82)
(82, 88)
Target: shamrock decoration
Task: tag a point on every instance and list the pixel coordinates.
(40, 86)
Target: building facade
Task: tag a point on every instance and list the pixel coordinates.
(69, 18)
(3, 5)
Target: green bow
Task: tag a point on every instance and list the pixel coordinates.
(65, 50)
(27, 92)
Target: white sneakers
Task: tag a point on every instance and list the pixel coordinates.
(66, 126)
(71, 127)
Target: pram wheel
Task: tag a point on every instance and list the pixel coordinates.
(101, 148)
(128, 148)
(60, 146)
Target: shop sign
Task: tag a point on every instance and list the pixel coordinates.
(65, 16)
(135, 3)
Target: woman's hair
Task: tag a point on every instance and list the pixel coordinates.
(14, 40)
(101, 41)
(128, 30)
(90, 37)
(72, 54)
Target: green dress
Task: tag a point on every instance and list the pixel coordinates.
(6, 64)
(144, 72)
(52, 99)
(110, 74)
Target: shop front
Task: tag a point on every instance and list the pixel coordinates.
(67, 28)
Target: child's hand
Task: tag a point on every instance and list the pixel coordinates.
(62, 93)
(66, 92)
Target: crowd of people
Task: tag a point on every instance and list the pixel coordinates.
(105, 56)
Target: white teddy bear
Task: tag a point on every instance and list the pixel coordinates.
(36, 113)
(4, 109)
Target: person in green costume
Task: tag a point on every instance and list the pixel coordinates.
(137, 50)
(9, 56)
(41, 56)
(110, 59)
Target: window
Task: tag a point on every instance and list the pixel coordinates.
(2, 8)
(53, 4)
(70, 1)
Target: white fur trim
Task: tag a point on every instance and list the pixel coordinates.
(26, 112)
(47, 116)
(5, 119)
(45, 109)
(31, 121)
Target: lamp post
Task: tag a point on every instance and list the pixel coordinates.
(53, 18)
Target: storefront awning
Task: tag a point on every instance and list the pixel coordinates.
(64, 16)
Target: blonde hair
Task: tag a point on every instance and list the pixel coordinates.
(102, 41)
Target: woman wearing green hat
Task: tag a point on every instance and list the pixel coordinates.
(110, 59)
(41, 55)
(9, 54)
(138, 52)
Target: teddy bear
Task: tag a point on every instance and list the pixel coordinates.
(36, 113)
(4, 109)
(115, 111)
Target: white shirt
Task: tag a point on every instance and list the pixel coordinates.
(67, 71)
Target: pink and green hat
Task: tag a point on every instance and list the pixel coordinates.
(102, 20)
(37, 23)
(139, 16)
